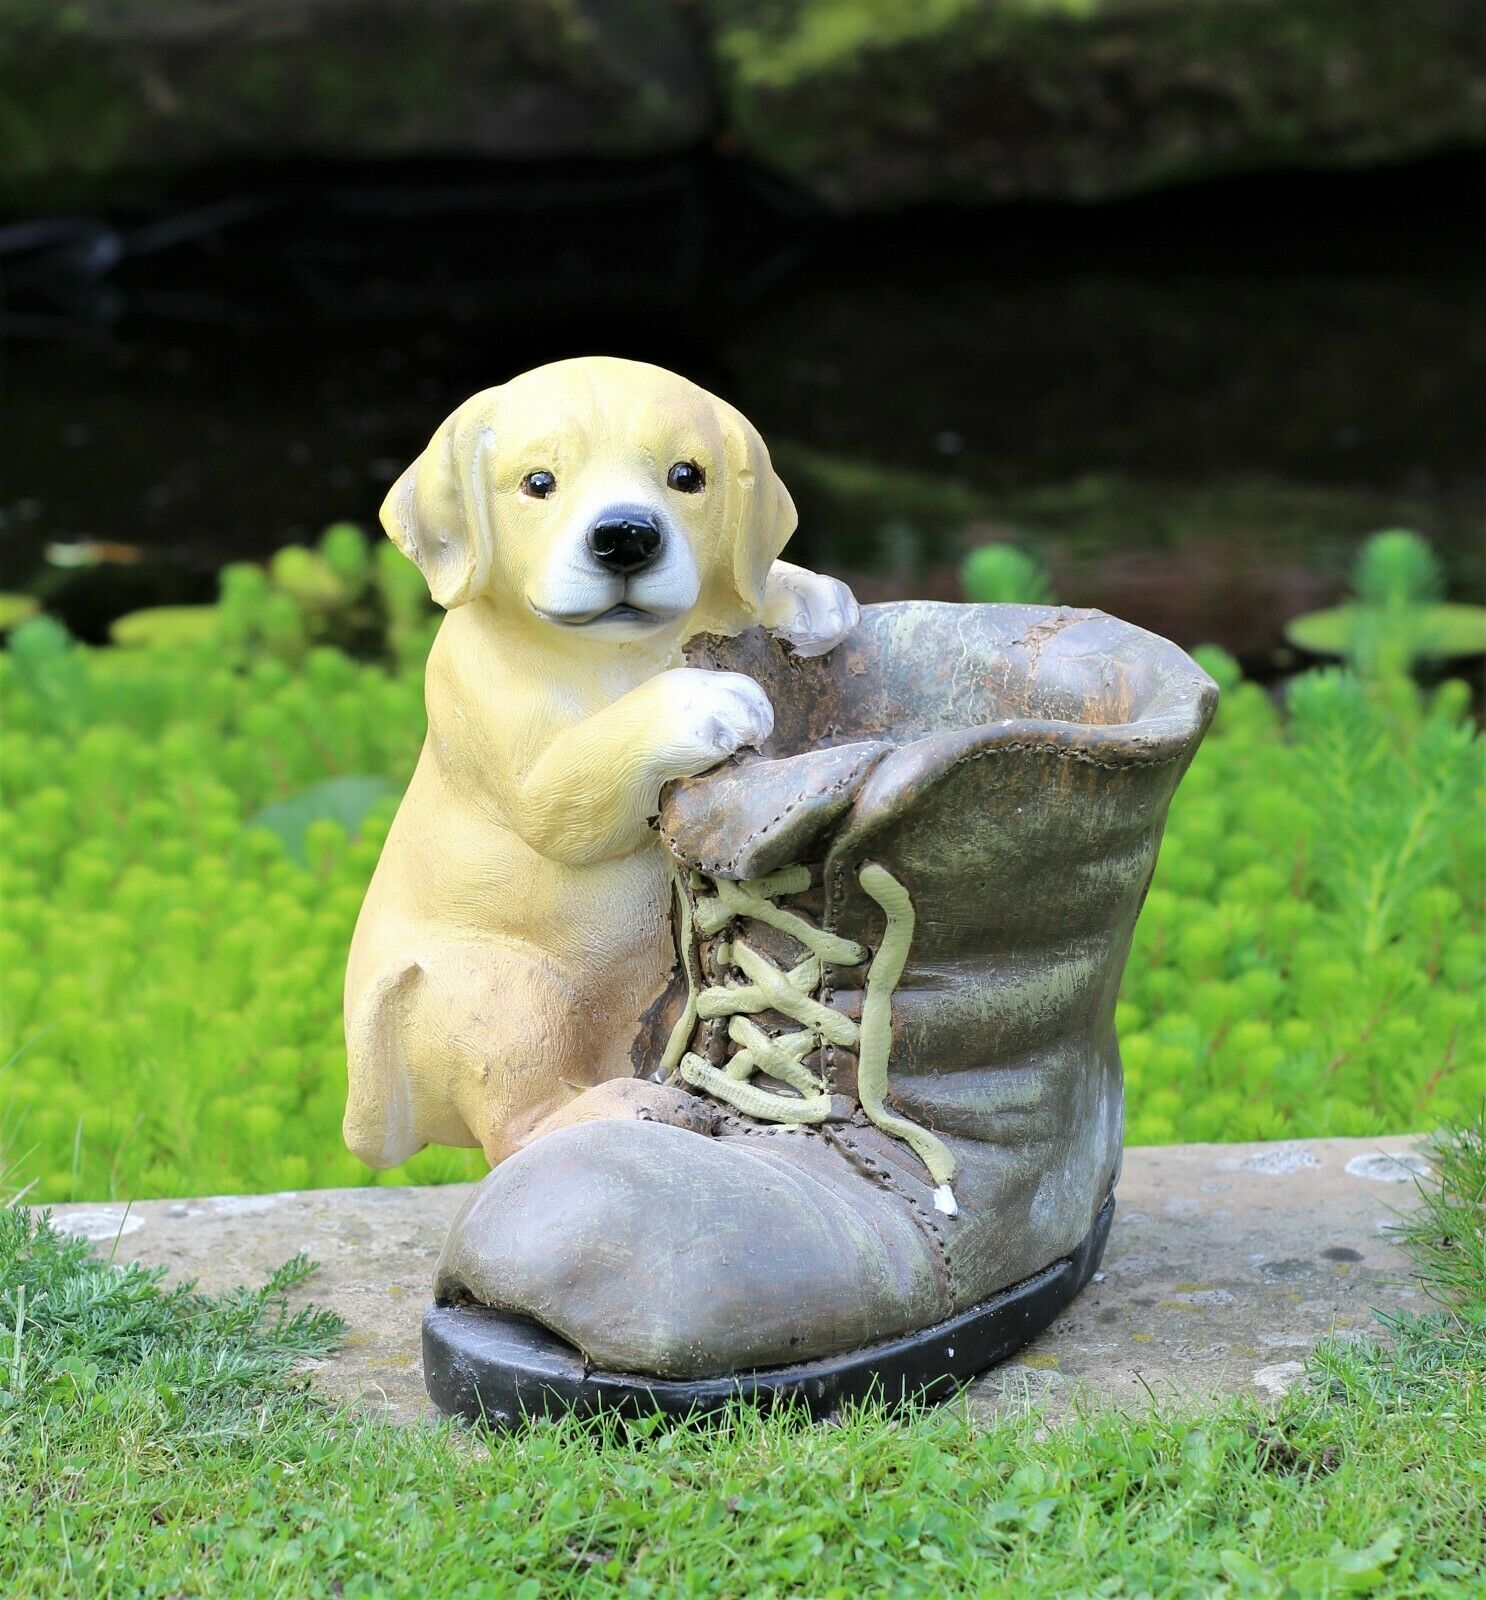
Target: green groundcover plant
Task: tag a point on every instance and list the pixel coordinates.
(188, 825)
(157, 1442)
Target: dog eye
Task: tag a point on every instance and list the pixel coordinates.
(538, 484)
(687, 477)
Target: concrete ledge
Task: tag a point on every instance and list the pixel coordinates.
(1226, 1264)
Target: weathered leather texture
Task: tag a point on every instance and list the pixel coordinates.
(1012, 767)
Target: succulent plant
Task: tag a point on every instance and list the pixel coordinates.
(1003, 574)
(165, 625)
(15, 609)
(188, 828)
(373, 604)
(1397, 618)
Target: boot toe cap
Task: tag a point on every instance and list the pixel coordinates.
(658, 1250)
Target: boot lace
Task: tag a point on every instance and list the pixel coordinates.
(792, 994)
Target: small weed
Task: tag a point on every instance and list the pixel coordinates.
(1446, 1233)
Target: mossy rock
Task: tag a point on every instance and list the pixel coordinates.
(1437, 632)
(16, 609)
(271, 79)
(877, 105)
(163, 627)
(865, 103)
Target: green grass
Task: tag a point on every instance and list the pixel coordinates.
(153, 1442)
(180, 887)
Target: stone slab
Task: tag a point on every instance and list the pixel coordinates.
(1225, 1265)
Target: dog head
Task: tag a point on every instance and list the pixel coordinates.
(602, 497)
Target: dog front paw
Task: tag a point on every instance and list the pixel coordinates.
(700, 717)
(812, 612)
(735, 714)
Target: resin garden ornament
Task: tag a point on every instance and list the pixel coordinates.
(578, 524)
(790, 1035)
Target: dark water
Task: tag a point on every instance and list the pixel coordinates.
(1193, 406)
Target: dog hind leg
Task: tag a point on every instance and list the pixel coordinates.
(527, 1041)
(380, 1126)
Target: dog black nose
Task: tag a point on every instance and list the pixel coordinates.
(624, 544)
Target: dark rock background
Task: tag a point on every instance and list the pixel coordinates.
(1183, 295)
(858, 104)
(1193, 405)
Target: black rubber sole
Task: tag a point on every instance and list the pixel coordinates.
(489, 1366)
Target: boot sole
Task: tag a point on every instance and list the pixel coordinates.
(490, 1366)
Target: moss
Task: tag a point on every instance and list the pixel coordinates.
(60, 116)
(830, 36)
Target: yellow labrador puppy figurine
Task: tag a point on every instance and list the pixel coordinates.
(579, 524)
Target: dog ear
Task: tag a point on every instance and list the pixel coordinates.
(438, 513)
(760, 516)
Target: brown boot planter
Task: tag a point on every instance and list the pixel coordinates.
(877, 1154)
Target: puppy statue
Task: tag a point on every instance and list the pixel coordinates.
(578, 524)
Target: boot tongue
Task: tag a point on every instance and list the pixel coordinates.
(756, 814)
